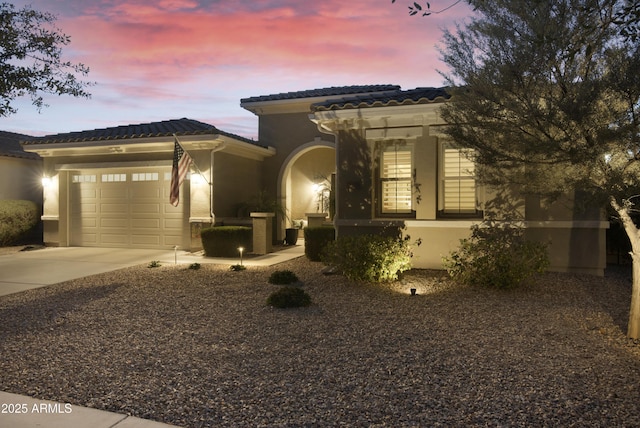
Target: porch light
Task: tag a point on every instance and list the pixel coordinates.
(47, 181)
(197, 179)
(240, 250)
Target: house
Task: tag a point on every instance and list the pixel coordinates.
(110, 187)
(368, 159)
(20, 171)
(397, 169)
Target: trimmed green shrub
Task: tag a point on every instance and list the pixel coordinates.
(496, 256)
(316, 240)
(223, 241)
(372, 258)
(282, 277)
(289, 297)
(16, 218)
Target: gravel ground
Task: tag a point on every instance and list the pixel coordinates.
(199, 348)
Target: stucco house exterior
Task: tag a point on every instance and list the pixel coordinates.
(396, 168)
(20, 171)
(110, 187)
(367, 159)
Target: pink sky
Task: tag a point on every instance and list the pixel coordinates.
(167, 59)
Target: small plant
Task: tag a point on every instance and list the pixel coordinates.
(496, 256)
(283, 277)
(154, 264)
(371, 258)
(237, 268)
(289, 297)
(194, 266)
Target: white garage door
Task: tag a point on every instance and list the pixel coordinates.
(124, 208)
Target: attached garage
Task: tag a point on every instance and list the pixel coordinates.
(124, 208)
(110, 187)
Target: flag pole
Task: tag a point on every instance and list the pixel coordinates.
(193, 162)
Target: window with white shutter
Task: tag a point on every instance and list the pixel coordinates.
(396, 179)
(458, 189)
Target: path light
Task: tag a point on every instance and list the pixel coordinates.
(240, 250)
(413, 291)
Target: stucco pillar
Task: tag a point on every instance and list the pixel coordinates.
(262, 232)
(316, 219)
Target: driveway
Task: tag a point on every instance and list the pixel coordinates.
(24, 270)
(32, 269)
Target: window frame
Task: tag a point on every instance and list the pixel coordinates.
(399, 146)
(442, 211)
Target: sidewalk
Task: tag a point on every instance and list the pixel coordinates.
(38, 413)
(18, 411)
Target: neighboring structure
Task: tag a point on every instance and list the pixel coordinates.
(377, 151)
(110, 187)
(397, 169)
(20, 171)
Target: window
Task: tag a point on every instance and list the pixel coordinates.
(83, 178)
(458, 183)
(396, 179)
(144, 176)
(112, 178)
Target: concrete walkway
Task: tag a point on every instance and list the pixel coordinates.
(25, 270)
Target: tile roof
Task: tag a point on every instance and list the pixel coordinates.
(10, 146)
(323, 92)
(164, 128)
(384, 99)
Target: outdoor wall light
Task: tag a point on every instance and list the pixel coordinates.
(240, 250)
(47, 181)
(197, 179)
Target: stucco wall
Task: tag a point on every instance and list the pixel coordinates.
(21, 179)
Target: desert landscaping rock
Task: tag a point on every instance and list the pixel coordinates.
(200, 348)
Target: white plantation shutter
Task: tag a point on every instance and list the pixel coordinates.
(459, 184)
(395, 175)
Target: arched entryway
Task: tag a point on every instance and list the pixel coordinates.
(305, 181)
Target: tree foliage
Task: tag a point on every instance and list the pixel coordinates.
(31, 61)
(548, 94)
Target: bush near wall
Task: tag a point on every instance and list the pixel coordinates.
(316, 239)
(17, 217)
(372, 258)
(223, 241)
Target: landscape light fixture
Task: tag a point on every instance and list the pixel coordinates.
(240, 250)
(413, 291)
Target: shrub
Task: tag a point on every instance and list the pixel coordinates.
(238, 268)
(16, 218)
(289, 297)
(154, 264)
(194, 266)
(496, 256)
(316, 240)
(371, 258)
(223, 241)
(283, 277)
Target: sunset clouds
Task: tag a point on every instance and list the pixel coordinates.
(185, 58)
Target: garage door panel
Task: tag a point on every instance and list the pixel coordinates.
(124, 213)
(146, 223)
(145, 208)
(146, 192)
(119, 223)
(111, 239)
(113, 191)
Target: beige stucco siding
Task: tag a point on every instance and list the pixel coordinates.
(21, 179)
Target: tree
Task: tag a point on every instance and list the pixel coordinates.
(547, 93)
(31, 59)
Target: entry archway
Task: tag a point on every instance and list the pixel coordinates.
(305, 179)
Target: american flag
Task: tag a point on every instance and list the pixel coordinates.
(181, 162)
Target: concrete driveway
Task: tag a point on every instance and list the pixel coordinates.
(32, 269)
